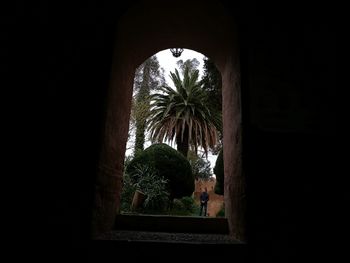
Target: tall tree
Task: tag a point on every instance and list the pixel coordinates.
(183, 115)
(148, 77)
(200, 166)
(212, 84)
(191, 64)
(219, 173)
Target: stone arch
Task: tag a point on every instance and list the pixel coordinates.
(144, 30)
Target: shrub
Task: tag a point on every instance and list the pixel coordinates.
(184, 206)
(200, 167)
(219, 173)
(167, 163)
(221, 213)
(178, 205)
(146, 180)
(188, 203)
(153, 186)
(127, 192)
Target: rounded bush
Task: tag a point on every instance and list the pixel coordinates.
(168, 163)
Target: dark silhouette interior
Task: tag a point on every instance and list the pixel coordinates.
(288, 80)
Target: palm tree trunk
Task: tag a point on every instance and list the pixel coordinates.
(182, 146)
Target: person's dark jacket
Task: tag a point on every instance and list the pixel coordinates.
(204, 197)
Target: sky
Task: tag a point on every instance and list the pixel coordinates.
(168, 62)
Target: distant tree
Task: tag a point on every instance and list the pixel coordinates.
(212, 84)
(191, 64)
(200, 166)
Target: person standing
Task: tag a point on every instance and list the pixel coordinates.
(204, 198)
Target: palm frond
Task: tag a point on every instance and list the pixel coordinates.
(182, 112)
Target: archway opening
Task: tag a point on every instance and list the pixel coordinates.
(158, 102)
(217, 39)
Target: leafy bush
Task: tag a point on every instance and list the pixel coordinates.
(221, 213)
(167, 163)
(200, 167)
(146, 180)
(188, 203)
(128, 191)
(152, 185)
(184, 206)
(219, 173)
(178, 205)
(129, 187)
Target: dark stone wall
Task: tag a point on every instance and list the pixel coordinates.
(79, 45)
(289, 125)
(61, 57)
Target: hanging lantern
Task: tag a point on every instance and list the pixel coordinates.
(176, 52)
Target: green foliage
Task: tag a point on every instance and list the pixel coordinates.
(184, 206)
(128, 191)
(188, 202)
(182, 114)
(127, 160)
(128, 187)
(146, 180)
(212, 84)
(200, 166)
(148, 76)
(167, 163)
(192, 64)
(219, 173)
(221, 213)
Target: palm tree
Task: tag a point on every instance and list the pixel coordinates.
(183, 115)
